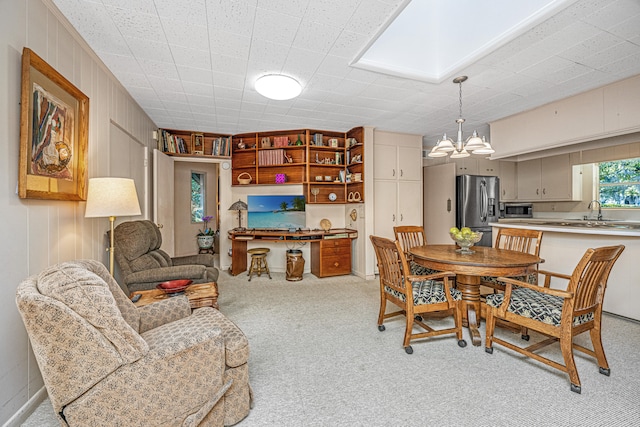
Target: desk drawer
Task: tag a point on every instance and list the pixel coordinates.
(336, 246)
(335, 265)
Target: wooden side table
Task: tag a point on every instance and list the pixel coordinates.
(199, 295)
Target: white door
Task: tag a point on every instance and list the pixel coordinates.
(163, 211)
(385, 208)
(128, 159)
(439, 202)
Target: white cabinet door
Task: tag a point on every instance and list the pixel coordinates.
(556, 178)
(385, 208)
(529, 180)
(409, 168)
(409, 203)
(439, 202)
(488, 167)
(385, 161)
(550, 178)
(508, 181)
(622, 111)
(466, 166)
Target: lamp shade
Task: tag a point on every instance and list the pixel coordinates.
(238, 206)
(112, 197)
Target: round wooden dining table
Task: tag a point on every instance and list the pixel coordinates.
(469, 268)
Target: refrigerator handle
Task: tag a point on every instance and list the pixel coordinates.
(448, 205)
(484, 202)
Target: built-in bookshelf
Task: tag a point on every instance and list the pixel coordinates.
(329, 164)
(191, 143)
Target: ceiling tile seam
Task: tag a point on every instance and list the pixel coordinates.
(124, 39)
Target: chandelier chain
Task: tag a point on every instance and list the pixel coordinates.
(460, 98)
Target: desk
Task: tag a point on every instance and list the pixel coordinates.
(469, 268)
(319, 255)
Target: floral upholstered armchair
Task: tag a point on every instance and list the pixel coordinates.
(144, 264)
(106, 362)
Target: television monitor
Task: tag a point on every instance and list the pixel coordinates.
(276, 212)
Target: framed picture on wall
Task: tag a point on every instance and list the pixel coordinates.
(197, 143)
(54, 119)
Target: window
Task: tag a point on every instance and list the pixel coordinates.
(197, 196)
(619, 183)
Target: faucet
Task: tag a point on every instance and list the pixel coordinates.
(590, 207)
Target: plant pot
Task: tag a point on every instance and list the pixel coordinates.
(205, 242)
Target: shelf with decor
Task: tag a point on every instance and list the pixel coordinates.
(186, 143)
(329, 164)
(326, 167)
(354, 159)
(277, 157)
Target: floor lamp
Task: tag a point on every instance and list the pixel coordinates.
(111, 197)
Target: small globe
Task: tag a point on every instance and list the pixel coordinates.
(466, 241)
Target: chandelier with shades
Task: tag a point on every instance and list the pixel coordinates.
(459, 148)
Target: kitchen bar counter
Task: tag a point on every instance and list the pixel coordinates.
(565, 241)
(606, 228)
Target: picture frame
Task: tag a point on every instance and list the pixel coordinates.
(54, 122)
(197, 143)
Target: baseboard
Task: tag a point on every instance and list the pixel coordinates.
(27, 409)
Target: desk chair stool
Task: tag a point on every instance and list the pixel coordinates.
(259, 262)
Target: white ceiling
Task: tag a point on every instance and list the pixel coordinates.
(191, 64)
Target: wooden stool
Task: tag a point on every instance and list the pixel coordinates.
(259, 262)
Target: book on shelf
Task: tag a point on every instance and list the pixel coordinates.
(271, 157)
(170, 143)
(221, 146)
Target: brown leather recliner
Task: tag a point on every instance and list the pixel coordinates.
(144, 264)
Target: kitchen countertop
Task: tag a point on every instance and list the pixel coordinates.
(607, 228)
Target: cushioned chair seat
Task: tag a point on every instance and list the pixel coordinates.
(534, 305)
(419, 270)
(426, 292)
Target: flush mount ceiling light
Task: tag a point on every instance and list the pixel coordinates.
(278, 87)
(460, 148)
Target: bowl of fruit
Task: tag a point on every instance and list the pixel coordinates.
(465, 238)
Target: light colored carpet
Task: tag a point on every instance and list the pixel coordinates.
(318, 359)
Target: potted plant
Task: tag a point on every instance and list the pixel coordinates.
(207, 235)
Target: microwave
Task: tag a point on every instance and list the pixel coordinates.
(516, 210)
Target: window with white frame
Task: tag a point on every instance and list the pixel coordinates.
(618, 183)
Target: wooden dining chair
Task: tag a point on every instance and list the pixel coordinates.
(558, 314)
(515, 239)
(414, 294)
(410, 236)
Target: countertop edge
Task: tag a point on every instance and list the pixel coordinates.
(561, 229)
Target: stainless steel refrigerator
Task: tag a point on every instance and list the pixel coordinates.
(477, 199)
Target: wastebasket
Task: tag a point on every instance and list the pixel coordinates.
(295, 265)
